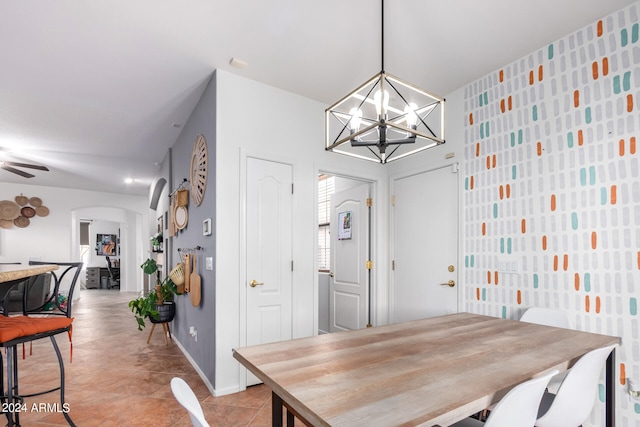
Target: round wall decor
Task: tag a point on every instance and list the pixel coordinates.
(42, 211)
(9, 210)
(22, 222)
(181, 216)
(28, 212)
(22, 200)
(199, 169)
(18, 213)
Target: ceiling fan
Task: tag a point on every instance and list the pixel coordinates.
(9, 166)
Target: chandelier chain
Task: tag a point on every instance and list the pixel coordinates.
(382, 36)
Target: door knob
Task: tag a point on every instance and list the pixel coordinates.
(450, 284)
(255, 283)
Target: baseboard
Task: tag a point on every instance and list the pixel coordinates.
(195, 366)
(225, 391)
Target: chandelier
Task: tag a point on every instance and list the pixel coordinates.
(385, 118)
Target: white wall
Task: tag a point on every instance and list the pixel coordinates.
(56, 236)
(272, 135)
(299, 142)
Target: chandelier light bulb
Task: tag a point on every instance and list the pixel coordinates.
(356, 119)
(381, 101)
(410, 115)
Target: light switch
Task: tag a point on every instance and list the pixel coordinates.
(209, 262)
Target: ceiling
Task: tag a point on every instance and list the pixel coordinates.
(95, 90)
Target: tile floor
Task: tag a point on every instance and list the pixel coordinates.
(116, 379)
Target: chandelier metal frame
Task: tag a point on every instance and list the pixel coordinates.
(377, 122)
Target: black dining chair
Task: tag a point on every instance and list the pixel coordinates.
(33, 325)
(6, 291)
(114, 275)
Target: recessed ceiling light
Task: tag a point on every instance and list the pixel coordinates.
(238, 63)
(128, 180)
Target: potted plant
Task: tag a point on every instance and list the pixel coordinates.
(156, 242)
(158, 305)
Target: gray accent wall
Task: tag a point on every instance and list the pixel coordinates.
(202, 317)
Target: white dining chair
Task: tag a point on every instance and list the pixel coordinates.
(185, 396)
(518, 408)
(573, 403)
(549, 317)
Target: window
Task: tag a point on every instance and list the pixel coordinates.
(84, 242)
(326, 187)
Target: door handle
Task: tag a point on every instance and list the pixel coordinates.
(450, 284)
(255, 283)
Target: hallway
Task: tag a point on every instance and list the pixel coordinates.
(116, 379)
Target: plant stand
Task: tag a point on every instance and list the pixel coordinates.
(165, 329)
(166, 312)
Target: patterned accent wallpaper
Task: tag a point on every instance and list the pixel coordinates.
(552, 189)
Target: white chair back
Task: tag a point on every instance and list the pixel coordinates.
(519, 407)
(574, 401)
(547, 317)
(185, 396)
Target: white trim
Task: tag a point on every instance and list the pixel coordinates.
(202, 374)
(242, 265)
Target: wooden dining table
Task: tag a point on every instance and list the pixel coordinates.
(426, 372)
(11, 274)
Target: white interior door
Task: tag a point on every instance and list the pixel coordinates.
(425, 233)
(349, 278)
(269, 252)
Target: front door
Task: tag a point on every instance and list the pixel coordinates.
(269, 227)
(425, 233)
(349, 278)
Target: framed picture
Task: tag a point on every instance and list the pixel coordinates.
(160, 224)
(206, 227)
(106, 244)
(344, 225)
